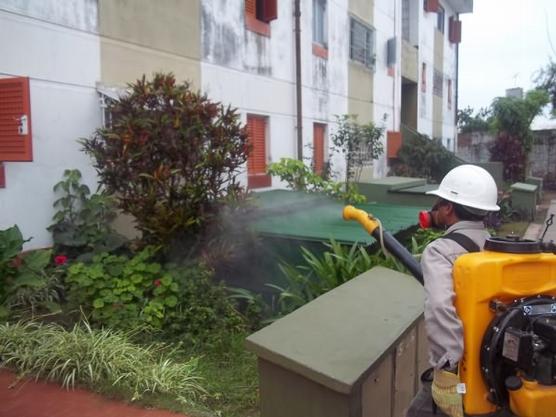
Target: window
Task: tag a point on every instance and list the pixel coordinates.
(320, 29)
(405, 20)
(15, 120)
(440, 19)
(437, 81)
(318, 148)
(258, 15)
(362, 44)
(256, 160)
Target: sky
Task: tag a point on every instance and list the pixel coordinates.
(504, 43)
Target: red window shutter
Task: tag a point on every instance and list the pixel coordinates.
(15, 120)
(394, 143)
(318, 148)
(250, 7)
(267, 10)
(455, 30)
(431, 6)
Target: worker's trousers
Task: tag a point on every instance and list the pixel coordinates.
(422, 405)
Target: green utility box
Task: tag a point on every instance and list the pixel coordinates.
(356, 351)
(404, 191)
(538, 182)
(524, 199)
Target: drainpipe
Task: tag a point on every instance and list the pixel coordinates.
(457, 87)
(297, 15)
(456, 97)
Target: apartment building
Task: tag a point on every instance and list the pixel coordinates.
(289, 66)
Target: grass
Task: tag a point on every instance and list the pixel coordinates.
(229, 377)
(98, 359)
(231, 380)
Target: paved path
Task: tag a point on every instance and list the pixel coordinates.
(32, 399)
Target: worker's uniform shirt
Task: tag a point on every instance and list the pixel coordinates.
(443, 326)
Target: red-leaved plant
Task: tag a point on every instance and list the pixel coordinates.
(170, 157)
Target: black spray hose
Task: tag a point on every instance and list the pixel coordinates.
(401, 253)
(373, 227)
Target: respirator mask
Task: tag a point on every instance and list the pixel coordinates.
(426, 218)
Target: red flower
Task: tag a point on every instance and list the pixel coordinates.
(157, 283)
(60, 260)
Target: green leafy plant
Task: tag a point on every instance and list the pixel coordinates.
(96, 359)
(301, 178)
(204, 315)
(170, 157)
(359, 144)
(25, 281)
(82, 221)
(421, 156)
(512, 118)
(478, 122)
(122, 293)
(320, 274)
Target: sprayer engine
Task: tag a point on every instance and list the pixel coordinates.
(520, 344)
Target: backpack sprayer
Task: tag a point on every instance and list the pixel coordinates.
(506, 300)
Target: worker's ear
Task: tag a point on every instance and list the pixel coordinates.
(450, 208)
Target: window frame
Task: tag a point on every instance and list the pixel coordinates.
(441, 19)
(320, 23)
(369, 60)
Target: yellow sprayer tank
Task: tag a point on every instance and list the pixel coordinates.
(497, 277)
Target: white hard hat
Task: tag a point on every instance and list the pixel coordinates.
(470, 186)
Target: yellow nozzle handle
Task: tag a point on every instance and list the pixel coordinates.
(365, 219)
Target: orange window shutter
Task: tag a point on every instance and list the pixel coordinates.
(256, 161)
(394, 143)
(250, 7)
(318, 148)
(15, 120)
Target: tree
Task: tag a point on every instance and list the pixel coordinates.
(512, 118)
(170, 157)
(359, 144)
(467, 122)
(546, 80)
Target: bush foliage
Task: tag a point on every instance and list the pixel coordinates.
(420, 156)
(170, 156)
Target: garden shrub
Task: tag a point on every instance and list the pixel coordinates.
(28, 281)
(170, 157)
(300, 178)
(204, 316)
(421, 156)
(123, 293)
(82, 222)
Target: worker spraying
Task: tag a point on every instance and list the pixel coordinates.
(490, 307)
(465, 197)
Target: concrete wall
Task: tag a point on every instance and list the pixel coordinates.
(542, 159)
(437, 52)
(58, 48)
(474, 146)
(142, 37)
